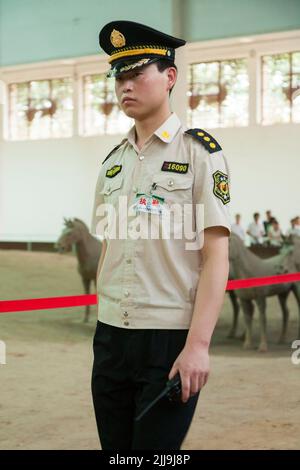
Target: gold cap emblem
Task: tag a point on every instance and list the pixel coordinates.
(117, 39)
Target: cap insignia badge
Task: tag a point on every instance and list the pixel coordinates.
(117, 39)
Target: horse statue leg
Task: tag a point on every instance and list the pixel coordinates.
(248, 309)
(236, 309)
(296, 292)
(261, 303)
(285, 316)
(86, 284)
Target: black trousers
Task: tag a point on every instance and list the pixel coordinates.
(130, 369)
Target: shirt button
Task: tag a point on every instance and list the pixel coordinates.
(126, 293)
(170, 182)
(141, 157)
(126, 323)
(125, 314)
(128, 261)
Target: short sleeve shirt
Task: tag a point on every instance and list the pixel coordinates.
(153, 261)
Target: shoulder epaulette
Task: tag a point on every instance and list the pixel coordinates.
(205, 139)
(113, 150)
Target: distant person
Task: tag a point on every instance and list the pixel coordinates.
(268, 222)
(237, 227)
(256, 230)
(290, 230)
(295, 227)
(275, 236)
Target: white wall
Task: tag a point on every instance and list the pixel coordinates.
(43, 181)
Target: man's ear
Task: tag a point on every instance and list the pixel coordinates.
(172, 76)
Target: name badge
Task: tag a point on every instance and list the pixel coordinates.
(149, 203)
(175, 167)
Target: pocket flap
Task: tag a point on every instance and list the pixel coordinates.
(112, 185)
(171, 182)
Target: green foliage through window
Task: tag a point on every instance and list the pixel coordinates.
(218, 94)
(41, 109)
(280, 80)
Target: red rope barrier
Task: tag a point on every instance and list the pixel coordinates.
(262, 281)
(7, 306)
(49, 302)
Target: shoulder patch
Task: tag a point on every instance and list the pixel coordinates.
(205, 139)
(221, 186)
(113, 150)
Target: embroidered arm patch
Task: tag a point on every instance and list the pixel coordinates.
(221, 186)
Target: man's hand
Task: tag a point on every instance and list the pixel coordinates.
(193, 367)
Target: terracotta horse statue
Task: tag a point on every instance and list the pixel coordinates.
(88, 250)
(245, 264)
(262, 252)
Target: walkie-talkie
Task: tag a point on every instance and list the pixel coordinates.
(172, 390)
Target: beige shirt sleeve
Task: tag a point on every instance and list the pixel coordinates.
(97, 226)
(211, 190)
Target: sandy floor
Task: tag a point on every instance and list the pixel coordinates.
(251, 401)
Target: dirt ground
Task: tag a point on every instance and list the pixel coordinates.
(251, 400)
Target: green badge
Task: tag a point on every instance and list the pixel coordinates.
(113, 171)
(221, 186)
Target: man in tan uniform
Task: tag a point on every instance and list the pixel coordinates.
(162, 210)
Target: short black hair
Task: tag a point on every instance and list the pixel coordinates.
(163, 64)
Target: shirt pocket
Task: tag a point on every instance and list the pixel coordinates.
(174, 188)
(112, 189)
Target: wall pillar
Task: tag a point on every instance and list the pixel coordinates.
(178, 96)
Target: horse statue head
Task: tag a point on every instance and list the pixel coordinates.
(291, 250)
(73, 231)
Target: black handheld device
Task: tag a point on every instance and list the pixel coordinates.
(172, 391)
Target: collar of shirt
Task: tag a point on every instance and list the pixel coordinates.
(166, 132)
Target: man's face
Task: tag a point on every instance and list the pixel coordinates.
(141, 92)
